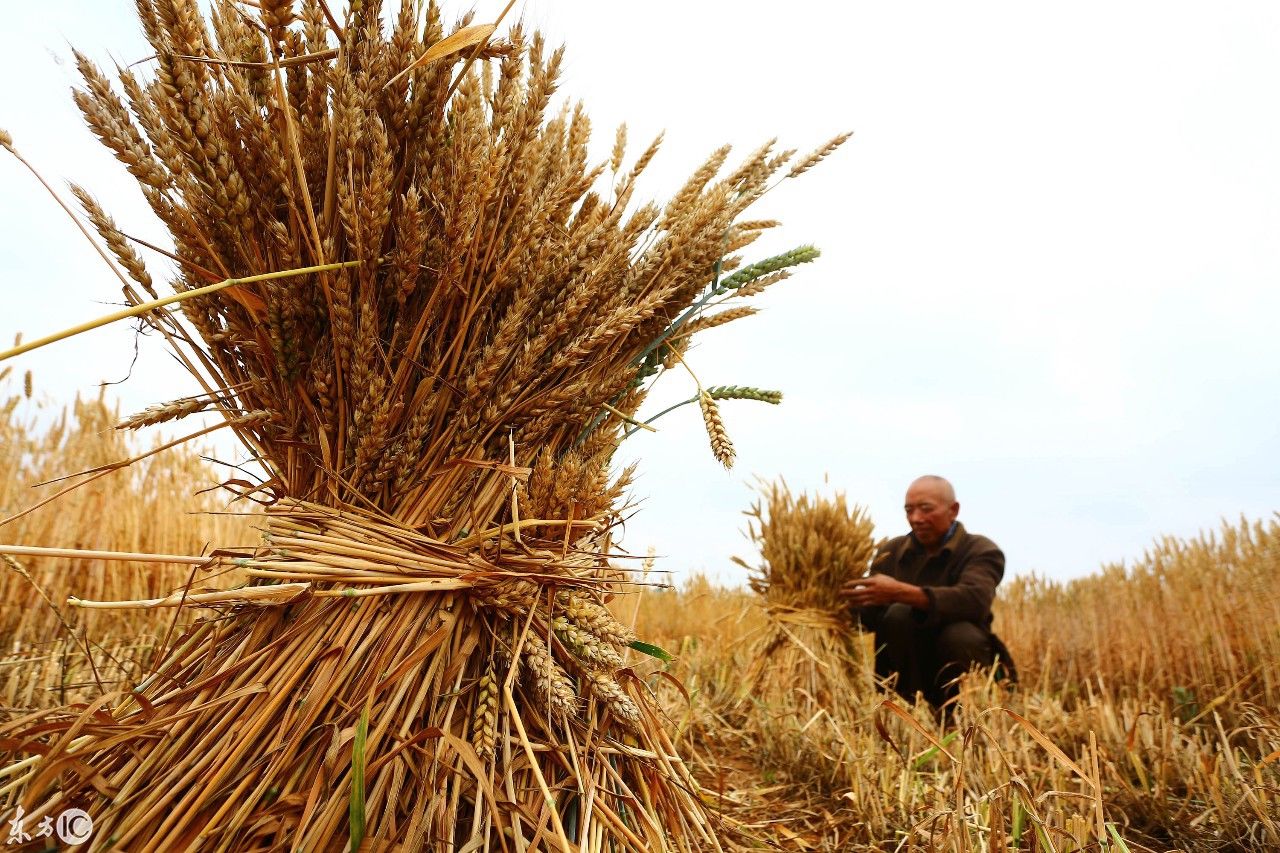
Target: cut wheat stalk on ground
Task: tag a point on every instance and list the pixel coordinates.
(463, 325)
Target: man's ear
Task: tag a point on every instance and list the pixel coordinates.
(955, 508)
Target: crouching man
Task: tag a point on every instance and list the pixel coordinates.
(928, 598)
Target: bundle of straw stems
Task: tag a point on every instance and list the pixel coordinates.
(808, 664)
(422, 657)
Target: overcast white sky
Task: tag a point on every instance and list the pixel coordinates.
(1050, 259)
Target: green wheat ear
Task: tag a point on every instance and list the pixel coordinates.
(748, 274)
(745, 392)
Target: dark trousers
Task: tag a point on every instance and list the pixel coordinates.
(928, 660)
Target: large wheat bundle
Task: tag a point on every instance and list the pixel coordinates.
(808, 665)
(422, 656)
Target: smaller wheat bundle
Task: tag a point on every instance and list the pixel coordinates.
(804, 669)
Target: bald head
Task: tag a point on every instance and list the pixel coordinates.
(931, 509)
(938, 487)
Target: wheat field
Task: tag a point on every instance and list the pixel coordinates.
(430, 319)
(1145, 719)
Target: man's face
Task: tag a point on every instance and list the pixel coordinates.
(929, 513)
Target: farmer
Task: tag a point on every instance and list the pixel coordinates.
(928, 598)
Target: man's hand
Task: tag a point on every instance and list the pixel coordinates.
(880, 590)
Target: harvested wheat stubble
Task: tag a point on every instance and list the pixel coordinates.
(437, 411)
(1129, 683)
